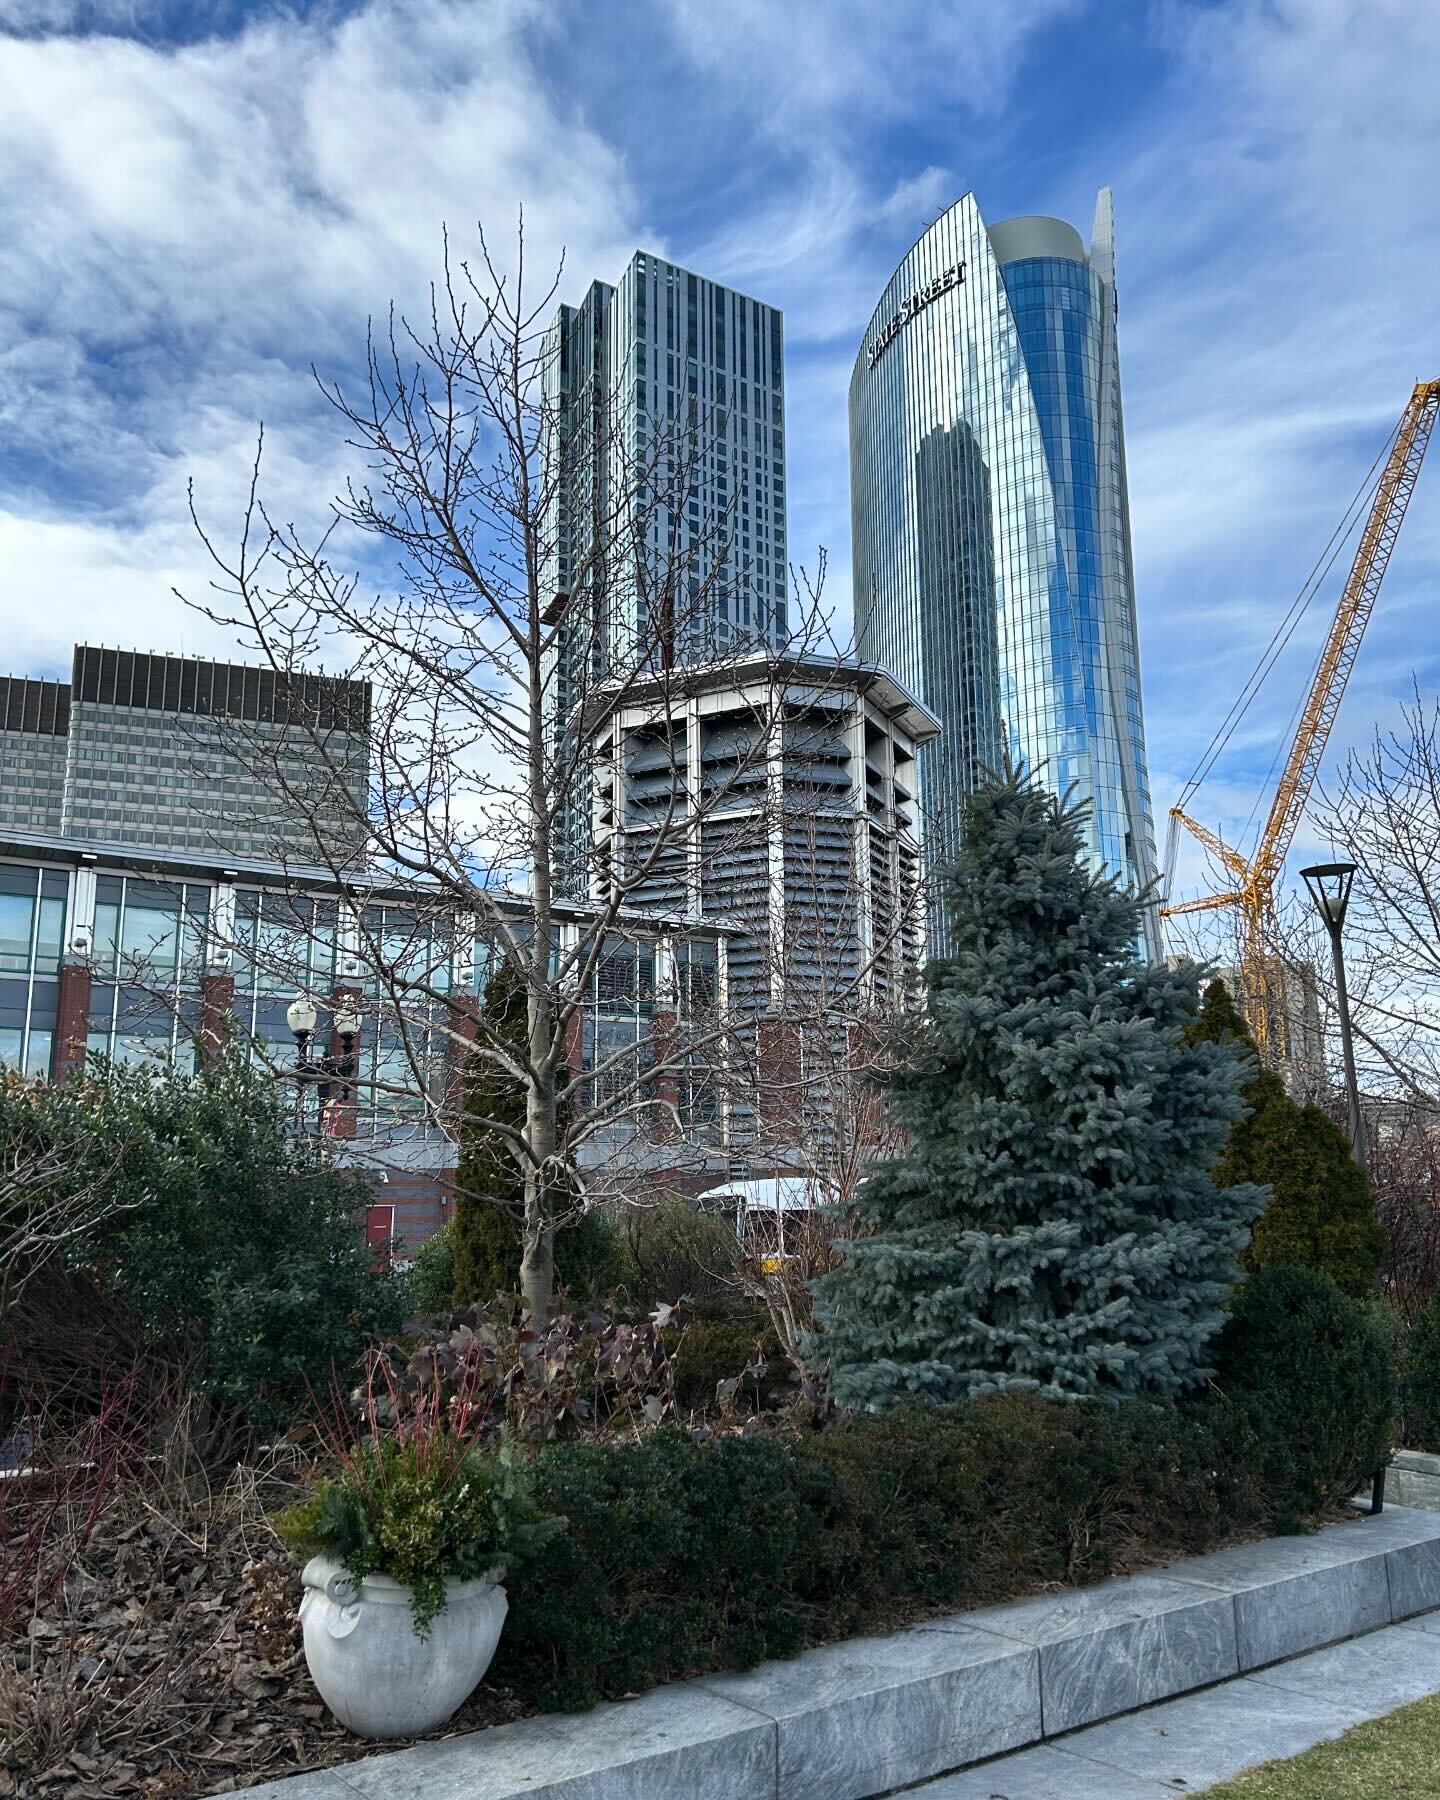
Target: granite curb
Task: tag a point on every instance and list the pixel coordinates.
(871, 1715)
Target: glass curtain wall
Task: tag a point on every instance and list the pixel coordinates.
(991, 544)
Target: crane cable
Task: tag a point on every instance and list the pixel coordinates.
(1280, 638)
(1286, 628)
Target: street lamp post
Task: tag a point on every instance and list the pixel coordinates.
(329, 1071)
(301, 1017)
(1329, 885)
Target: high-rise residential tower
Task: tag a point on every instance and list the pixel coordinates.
(664, 485)
(991, 532)
(674, 383)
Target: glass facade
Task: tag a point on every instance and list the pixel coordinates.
(992, 560)
(32, 936)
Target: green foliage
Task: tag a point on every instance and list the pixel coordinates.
(1053, 1227)
(677, 1253)
(683, 1557)
(222, 1235)
(488, 1179)
(1320, 1213)
(1314, 1373)
(422, 1507)
(430, 1279)
(1421, 1393)
(590, 1256)
(712, 1351)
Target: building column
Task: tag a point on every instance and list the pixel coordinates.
(664, 1035)
(217, 1015)
(779, 1068)
(72, 1020)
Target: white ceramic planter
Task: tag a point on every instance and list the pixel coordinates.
(375, 1675)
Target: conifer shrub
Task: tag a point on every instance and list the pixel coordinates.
(430, 1280)
(1320, 1213)
(714, 1351)
(682, 1556)
(1054, 1227)
(1420, 1427)
(1315, 1375)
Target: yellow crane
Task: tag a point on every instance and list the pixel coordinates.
(1253, 881)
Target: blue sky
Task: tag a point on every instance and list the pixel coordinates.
(202, 200)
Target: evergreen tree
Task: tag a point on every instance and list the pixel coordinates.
(1320, 1214)
(489, 1182)
(590, 1256)
(1053, 1226)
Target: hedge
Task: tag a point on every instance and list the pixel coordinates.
(683, 1557)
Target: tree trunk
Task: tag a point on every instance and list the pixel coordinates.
(537, 1256)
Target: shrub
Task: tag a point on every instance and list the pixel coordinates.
(430, 1279)
(493, 1372)
(679, 1254)
(1320, 1212)
(1421, 1391)
(220, 1234)
(1315, 1375)
(715, 1352)
(684, 1556)
(590, 1256)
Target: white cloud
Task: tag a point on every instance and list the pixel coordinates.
(184, 230)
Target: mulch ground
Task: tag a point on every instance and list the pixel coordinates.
(161, 1655)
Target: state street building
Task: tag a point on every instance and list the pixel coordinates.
(991, 531)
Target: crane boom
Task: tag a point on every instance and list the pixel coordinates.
(1347, 628)
(1255, 881)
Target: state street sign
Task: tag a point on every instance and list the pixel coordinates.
(915, 303)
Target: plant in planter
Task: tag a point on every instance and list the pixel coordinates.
(408, 1544)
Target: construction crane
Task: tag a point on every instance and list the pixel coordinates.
(1253, 881)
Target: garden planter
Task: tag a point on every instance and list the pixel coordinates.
(377, 1677)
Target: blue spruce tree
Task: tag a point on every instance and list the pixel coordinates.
(1054, 1227)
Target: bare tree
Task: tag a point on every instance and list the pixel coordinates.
(541, 565)
(1383, 813)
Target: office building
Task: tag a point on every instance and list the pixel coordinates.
(185, 754)
(149, 955)
(991, 536)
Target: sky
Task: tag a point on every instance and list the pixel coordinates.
(201, 201)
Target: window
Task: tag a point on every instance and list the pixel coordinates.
(17, 917)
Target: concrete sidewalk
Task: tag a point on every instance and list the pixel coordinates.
(1187, 1745)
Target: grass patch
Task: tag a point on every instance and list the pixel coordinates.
(1397, 1756)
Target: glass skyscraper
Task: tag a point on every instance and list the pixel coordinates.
(991, 531)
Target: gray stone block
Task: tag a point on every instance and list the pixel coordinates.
(1387, 1669)
(675, 1740)
(877, 1713)
(1121, 1644)
(319, 1784)
(1044, 1773)
(1298, 1593)
(1417, 1462)
(1302, 1612)
(1199, 1739)
(1414, 1571)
